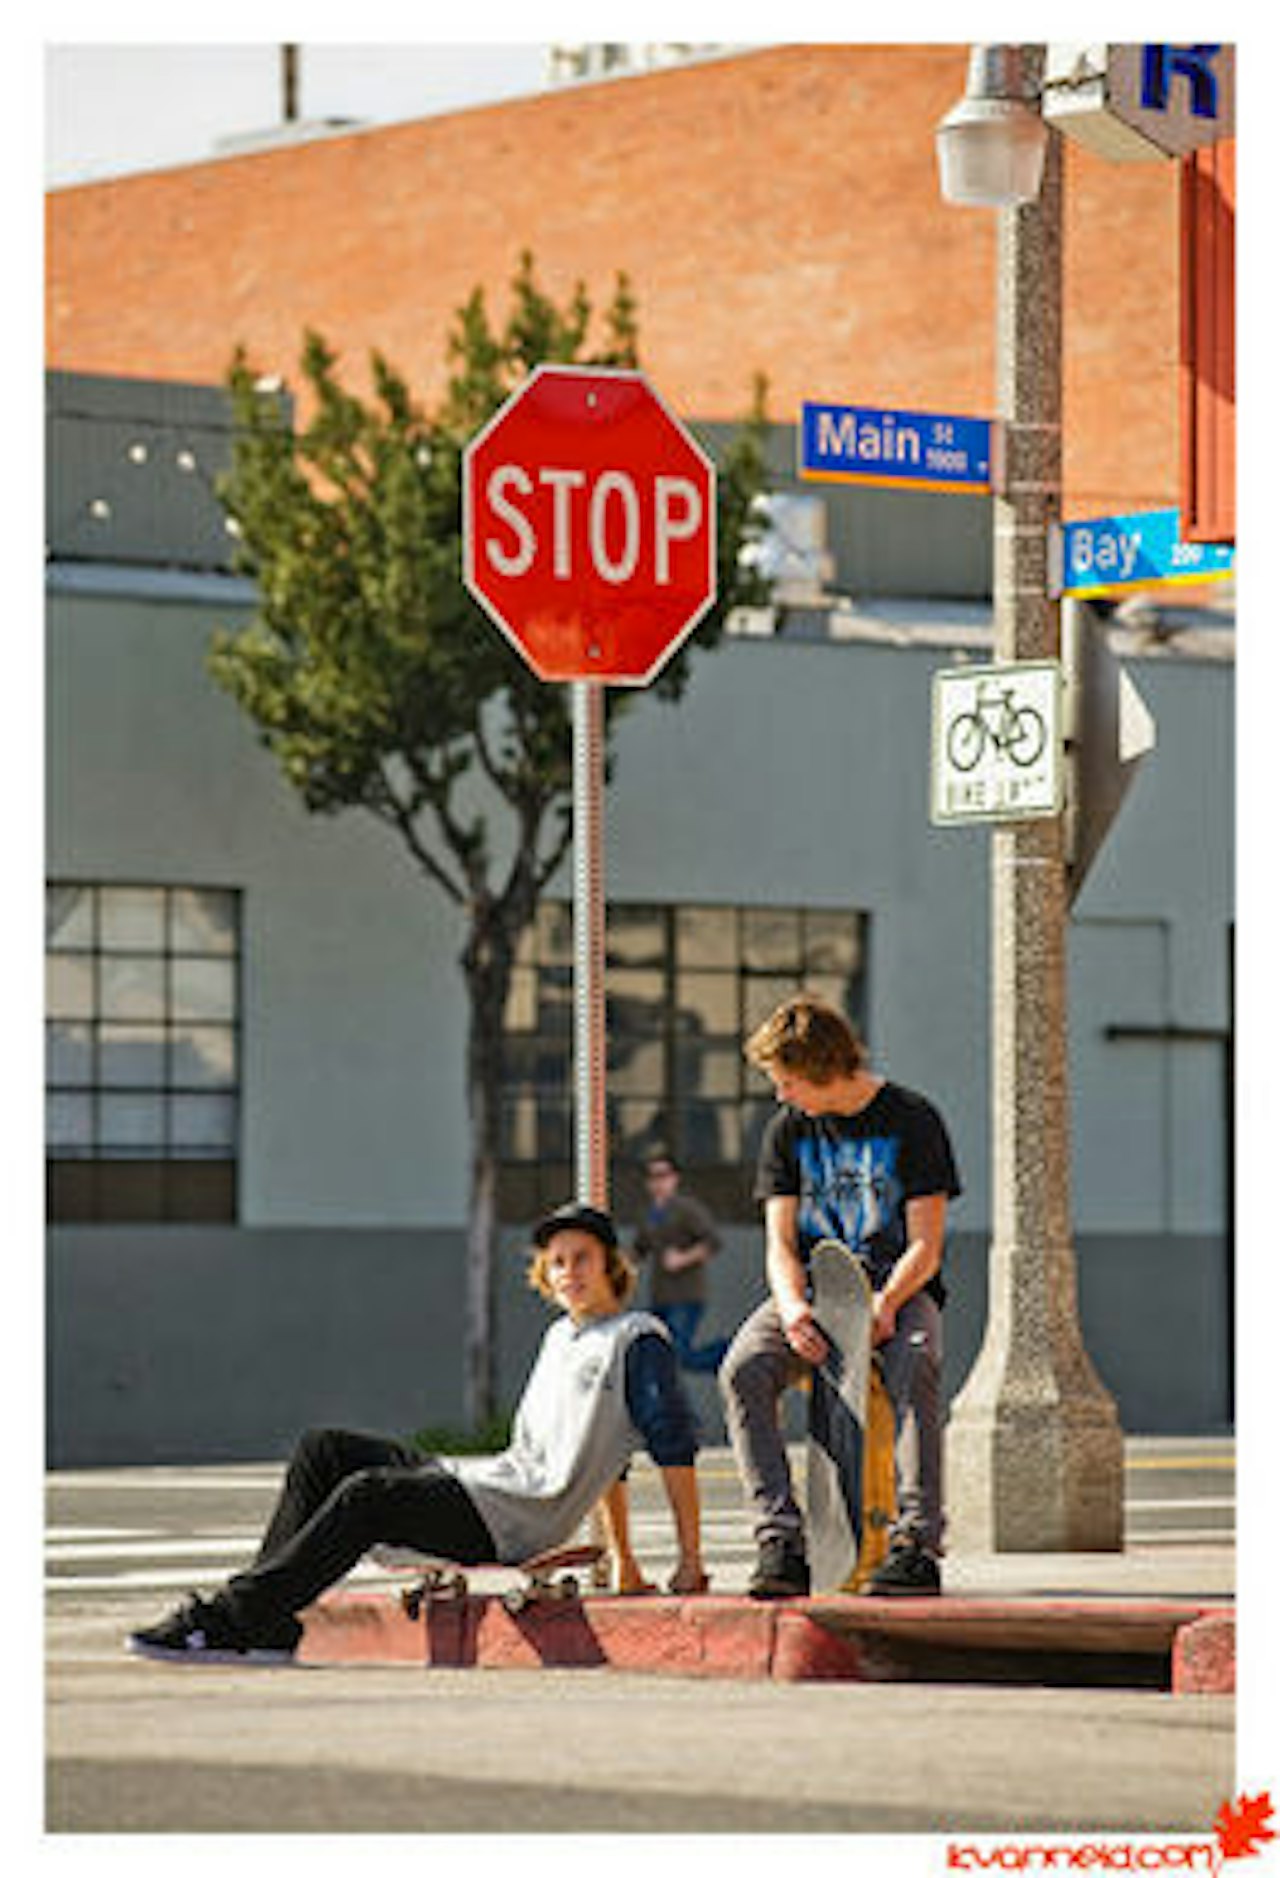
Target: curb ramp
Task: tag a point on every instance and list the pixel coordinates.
(1184, 1648)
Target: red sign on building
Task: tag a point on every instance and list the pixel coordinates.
(589, 525)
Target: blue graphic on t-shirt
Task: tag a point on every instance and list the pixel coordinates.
(851, 1191)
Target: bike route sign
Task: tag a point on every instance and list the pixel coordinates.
(997, 743)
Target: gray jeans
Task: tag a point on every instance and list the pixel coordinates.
(760, 1365)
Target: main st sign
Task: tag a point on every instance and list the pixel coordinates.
(589, 525)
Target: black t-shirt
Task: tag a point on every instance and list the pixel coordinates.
(853, 1174)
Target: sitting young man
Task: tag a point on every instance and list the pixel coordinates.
(605, 1383)
(853, 1157)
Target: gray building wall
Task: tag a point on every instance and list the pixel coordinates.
(795, 772)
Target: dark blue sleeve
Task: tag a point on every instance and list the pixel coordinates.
(657, 1403)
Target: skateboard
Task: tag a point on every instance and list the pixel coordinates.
(548, 1578)
(851, 1494)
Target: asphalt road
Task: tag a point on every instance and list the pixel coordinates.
(134, 1747)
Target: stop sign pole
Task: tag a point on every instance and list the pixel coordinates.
(589, 1046)
(589, 537)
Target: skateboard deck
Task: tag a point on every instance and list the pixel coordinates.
(548, 1577)
(850, 1469)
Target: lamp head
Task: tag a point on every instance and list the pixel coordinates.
(991, 145)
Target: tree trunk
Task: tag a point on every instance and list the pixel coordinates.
(487, 965)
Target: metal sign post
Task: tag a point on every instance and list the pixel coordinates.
(588, 944)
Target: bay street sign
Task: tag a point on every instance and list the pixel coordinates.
(854, 443)
(589, 525)
(1119, 553)
(997, 743)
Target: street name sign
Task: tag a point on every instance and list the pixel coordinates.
(1119, 553)
(853, 443)
(589, 525)
(997, 742)
(1141, 101)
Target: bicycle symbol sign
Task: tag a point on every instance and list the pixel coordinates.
(997, 742)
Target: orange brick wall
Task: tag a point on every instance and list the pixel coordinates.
(777, 210)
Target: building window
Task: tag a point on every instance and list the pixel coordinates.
(684, 987)
(142, 1075)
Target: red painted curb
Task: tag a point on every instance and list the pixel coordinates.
(1204, 1656)
(737, 1638)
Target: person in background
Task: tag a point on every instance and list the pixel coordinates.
(677, 1240)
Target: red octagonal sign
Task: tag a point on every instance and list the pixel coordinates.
(589, 525)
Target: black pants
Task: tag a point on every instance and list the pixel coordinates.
(344, 1493)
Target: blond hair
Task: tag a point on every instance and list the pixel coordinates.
(618, 1269)
(808, 1037)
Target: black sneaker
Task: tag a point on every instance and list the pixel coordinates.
(202, 1631)
(782, 1571)
(909, 1571)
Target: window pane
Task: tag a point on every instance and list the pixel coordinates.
(132, 988)
(131, 1054)
(636, 935)
(636, 1004)
(636, 1068)
(707, 936)
(522, 1006)
(710, 1131)
(69, 1053)
(638, 1126)
(555, 1131)
(68, 918)
(555, 1002)
(832, 943)
(132, 919)
(520, 1128)
(202, 920)
(555, 933)
(761, 996)
(707, 1004)
(69, 1122)
(770, 939)
(204, 1055)
(68, 986)
(197, 1121)
(131, 1121)
(204, 988)
(708, 1069)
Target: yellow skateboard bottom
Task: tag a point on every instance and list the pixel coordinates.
(879, 1491)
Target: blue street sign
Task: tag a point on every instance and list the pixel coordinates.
(895, 449)
(1117, 553)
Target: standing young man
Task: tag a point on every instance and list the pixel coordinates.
(854, 1157)
(677, 1238)
(605, 1383)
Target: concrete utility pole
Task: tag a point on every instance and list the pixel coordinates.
(1034, 1446)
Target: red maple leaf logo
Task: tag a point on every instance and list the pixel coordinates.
(1242, 1826)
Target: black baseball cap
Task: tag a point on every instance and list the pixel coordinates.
(586, 1218)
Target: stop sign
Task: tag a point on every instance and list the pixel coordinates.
(589, 525)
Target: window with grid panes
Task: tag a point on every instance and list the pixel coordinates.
(685, 985)
(142, 1052)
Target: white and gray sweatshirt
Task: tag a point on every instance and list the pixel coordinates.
(597, 1392)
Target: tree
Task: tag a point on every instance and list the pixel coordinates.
(378, 684)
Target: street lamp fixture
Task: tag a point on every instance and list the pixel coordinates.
(991, 146)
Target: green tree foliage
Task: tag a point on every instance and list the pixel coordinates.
(378, 684)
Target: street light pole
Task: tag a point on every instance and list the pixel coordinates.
(1034, 1446)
